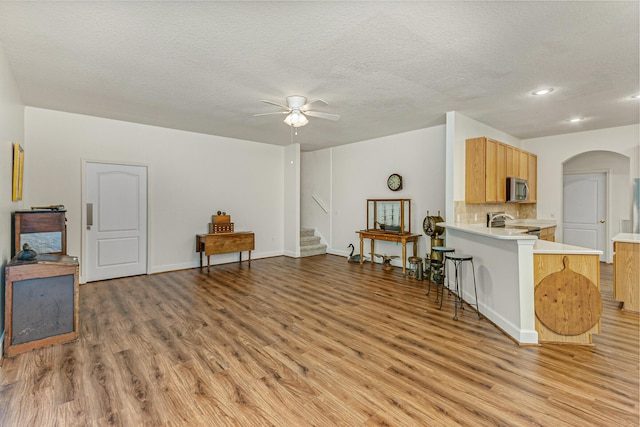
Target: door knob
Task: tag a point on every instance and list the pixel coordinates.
(602, 221)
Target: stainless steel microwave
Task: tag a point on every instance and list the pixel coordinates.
(517, 190)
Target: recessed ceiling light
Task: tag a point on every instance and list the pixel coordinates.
(576, 120)
(635, 96)
(542, 91)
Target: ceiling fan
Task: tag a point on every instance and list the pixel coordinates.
(297, 110)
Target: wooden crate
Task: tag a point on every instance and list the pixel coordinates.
(221, 219)
(221, 228)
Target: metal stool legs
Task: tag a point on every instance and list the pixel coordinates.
(458, 260)
(437, 269)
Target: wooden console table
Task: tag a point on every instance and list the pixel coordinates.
(389, 237)
(223, 243)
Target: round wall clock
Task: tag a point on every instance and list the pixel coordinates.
(394, 182)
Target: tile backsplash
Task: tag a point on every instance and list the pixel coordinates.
(477, 213)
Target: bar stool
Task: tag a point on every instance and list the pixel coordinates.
(438, 266)
(458, 260)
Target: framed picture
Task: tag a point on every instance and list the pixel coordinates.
(18, 170)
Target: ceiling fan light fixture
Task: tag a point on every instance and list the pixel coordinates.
(544, 91)
(296, 119)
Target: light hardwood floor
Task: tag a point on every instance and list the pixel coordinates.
(311, 342)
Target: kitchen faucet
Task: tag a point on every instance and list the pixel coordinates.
(503, 215)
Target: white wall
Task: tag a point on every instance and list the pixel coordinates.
(11, 130)
(359, 171)
(554, 151)
(191, 177)
(291, 215)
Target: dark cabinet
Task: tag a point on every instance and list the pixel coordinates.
(44, 231)
(41, 302)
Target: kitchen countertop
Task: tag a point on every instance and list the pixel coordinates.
(546, 247)
(495, 232)
(540, 246)
(542, 223)
(627, 237)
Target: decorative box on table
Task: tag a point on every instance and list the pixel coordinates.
(221, 224)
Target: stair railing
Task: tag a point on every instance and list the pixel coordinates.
(320, 203)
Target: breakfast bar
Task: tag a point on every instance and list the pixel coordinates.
(517, 276)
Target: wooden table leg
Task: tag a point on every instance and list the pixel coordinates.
(373, 250)
(361, 250)
(249, 258)
(208, 262)
(404, 258)
(200, 258)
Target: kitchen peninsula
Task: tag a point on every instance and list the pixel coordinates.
(517, 276)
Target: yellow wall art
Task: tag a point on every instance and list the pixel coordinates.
(18, 170)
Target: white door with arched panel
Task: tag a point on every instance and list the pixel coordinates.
(584, 211)
(116, 221)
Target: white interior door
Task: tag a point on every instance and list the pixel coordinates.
(584, 211)
(116, 217)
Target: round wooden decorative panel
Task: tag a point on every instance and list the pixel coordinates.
(567, 302)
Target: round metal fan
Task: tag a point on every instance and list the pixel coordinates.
(297, 110)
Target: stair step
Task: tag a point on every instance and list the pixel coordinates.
(309, 241)
(306, 232)
(312, 250)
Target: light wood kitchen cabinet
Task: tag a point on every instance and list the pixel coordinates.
(489, 163)
(485, 171)
(513, 159)
(626, 274)
(548, 233)
(501, 172)
(523, 165)
(532, 177)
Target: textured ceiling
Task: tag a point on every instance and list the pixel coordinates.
(385, 67)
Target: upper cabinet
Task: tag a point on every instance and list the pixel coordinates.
(513, 160)
(532, 177)
(486, 171)
(523, 165)
(489, 163)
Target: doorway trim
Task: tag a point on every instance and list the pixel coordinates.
(83, 214)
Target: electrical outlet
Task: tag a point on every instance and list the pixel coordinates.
(475, 217)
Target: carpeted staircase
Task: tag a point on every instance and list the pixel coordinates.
(310, 243)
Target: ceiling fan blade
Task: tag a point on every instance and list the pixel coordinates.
(320, 115)
(268, 114)
(308, 105)
(275, 103)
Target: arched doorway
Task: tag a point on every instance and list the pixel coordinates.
(585, 170)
